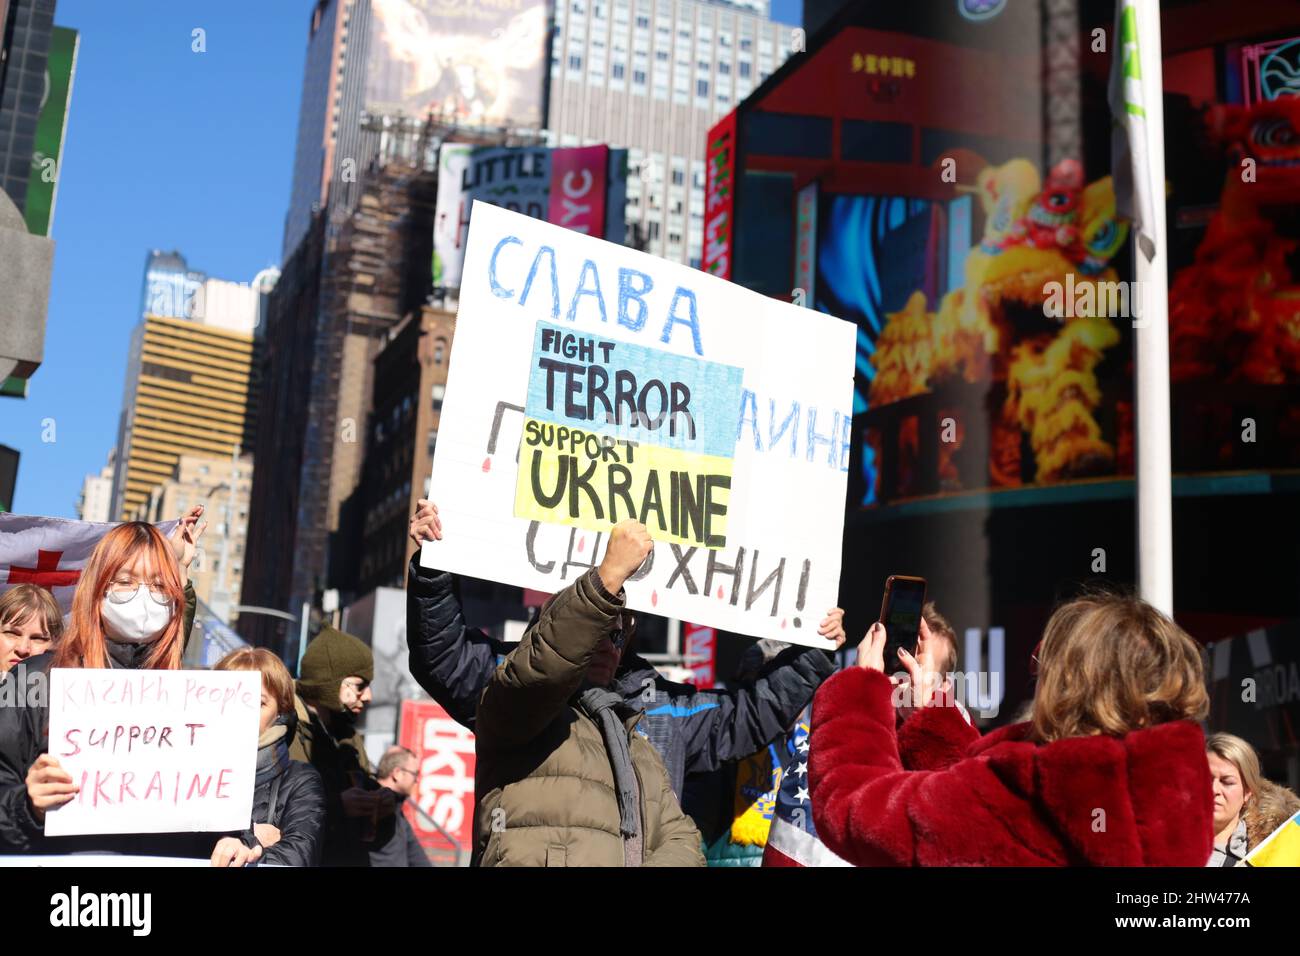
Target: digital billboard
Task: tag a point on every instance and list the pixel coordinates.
(472, 62)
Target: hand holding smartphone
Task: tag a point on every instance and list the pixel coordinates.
(900, 613)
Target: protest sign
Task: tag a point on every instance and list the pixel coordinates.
(590, 383)
(154, 751)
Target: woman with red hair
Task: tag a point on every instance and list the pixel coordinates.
(129, 611)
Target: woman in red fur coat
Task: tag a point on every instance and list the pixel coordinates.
(1109, 771)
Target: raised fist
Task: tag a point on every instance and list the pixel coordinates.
(629, 546)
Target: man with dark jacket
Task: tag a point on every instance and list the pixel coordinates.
(396, 845)
(333, 691)
(561, 777)
(694, 730)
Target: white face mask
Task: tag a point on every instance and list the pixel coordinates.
(138, 621)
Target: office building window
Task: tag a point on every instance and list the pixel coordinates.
(679, 177)
(661, 54)
(724, 68)
(744, 68)
(746, 43)
(701, 87)
(703, 65)
(617, 71)
(652, 230)
(643, 23)
(575, 61)
(638, 77)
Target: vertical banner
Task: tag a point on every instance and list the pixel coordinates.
(701, 643)
(805, 243)
(451, 215)
(51, 125)
(592, 383)
(578, 189)
(445, 792)
(720, 199)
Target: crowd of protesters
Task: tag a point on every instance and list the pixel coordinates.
(587, 756)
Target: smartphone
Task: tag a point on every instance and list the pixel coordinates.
(900, 612)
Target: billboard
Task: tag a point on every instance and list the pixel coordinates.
(582, 188)
(47, 150)
(472, 62)
(720, 197)
(991, 354)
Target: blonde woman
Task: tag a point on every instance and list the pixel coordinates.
(1247, 807)
(30, 623)
(1110, 770)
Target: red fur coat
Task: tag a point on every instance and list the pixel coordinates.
(958, 799)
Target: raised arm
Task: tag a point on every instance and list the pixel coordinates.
(452, 662)
(732, 724)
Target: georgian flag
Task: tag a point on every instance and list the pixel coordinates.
(51, 552)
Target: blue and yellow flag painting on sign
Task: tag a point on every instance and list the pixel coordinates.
(1280, 848)
(614, 430)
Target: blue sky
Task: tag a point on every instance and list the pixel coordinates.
(166, 148)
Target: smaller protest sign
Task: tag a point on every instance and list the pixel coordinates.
(154, 751)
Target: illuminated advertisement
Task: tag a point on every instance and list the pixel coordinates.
(474, 62)
(1033, 318)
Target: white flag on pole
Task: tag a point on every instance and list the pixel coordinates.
(1129, 164)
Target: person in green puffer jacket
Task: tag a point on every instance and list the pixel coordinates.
(562, 778)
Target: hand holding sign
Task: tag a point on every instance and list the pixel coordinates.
(230, 851)
(629, 546)
(425, 524)
(48, 786)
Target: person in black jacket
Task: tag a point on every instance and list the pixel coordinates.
(129, 611)
(289, 796)
(695, 731)
(396, 843)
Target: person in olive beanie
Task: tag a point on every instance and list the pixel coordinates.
(333, 691)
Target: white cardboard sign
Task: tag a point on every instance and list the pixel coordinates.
(154, 751)
(590, 383)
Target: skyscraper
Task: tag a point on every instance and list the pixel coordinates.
(329, 116)
(24, 45)
(189, 382)
(653, 76)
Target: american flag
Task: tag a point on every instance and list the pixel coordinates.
(793, 840)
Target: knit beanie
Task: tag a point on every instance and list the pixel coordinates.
(330, 658)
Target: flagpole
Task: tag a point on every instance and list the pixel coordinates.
(1151, 345)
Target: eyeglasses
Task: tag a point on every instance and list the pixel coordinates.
(120, 593)
(413, 773)
(1034, 662)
